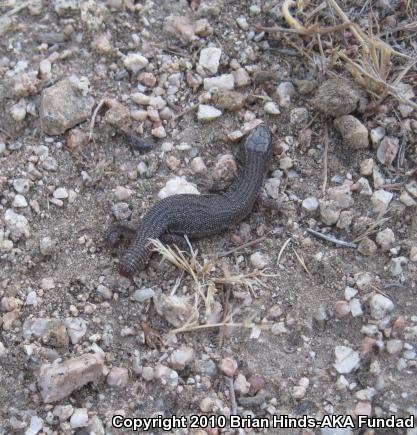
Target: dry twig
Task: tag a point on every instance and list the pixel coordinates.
(331, 239)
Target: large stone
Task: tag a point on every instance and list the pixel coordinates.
(353, 132)
(210, 59)
(59, 380)
(63, 106)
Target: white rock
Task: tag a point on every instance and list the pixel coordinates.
(413, 254)
(259, 260)
(381, 200)
(31, 298)
(45, 68)
(310, 204)
(148, 373)
(407, 199)
(210, 59)
(278, 328)
(18, 110)
(181, 358)
(241, 77)
(122, 193)
(272, 187)
(366, 167)
(79, 418)
(272, 108)
(3, 350)
(387, 150)
(241, 385)
(394, 346)
(350, 293)
(21, 185)
(63, 412)
(355, 307)
(17, 224)
(225, 81)
(377, 134)
(198, 166)
(177, 186)
(362, 185)
(76, 328)
(141, 99)
(208, 113)
(159, 132)
(60, 193)
(36, 425)
(396, 265)
(19, 201)
(135, 62)
(285, 91)
(118, 377)
(385, 239)
(347, 359)
(143, 294)
(157, 102)
(242, 23)
(166, 375)
(380, 306)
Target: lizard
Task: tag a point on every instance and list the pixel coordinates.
(197, 216)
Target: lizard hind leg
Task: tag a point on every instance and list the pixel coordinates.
(175, 239)
(118, 231)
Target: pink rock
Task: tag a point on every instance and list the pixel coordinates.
(228, 366)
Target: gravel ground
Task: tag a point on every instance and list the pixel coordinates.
(110, 105)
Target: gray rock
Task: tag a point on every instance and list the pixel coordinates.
(329, 212)
(387, 150)
(347, 359)
(353, 132)
(380, 306)
(381, 200)
(63, 106)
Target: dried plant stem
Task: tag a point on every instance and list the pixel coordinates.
(93, 118)
(283, 249)
(325, 157)
(240, 247)
(233, 404)
(331, 239)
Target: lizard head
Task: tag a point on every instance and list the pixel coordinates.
(259, 139)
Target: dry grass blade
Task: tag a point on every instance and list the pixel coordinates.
(283, 249)
(301, 261)
(178, 259)
(371, 229)
(248, 280)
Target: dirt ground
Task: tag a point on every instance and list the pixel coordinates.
(290, 323)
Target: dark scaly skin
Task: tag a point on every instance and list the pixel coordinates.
(199, 215)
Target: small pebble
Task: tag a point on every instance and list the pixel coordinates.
(228, 366)
(79, 418)
(259, 260)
